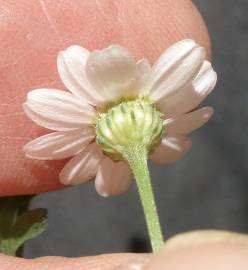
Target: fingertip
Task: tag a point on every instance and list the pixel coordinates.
(202, 250)
(28, 61)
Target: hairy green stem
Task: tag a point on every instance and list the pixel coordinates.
(136, 156)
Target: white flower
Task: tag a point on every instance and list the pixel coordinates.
(177, 83)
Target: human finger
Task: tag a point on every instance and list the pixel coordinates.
(33, 32)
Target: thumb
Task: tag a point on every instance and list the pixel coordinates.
(205, 250)
(33, 32)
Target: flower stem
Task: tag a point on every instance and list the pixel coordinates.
(136, 156)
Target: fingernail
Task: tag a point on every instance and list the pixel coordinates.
(199, 238)
(189, 250)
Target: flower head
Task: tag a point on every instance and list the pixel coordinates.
(101, 83)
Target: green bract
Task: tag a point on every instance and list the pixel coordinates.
(129, 124)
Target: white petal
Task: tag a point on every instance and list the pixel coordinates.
(171, 149)
(191, 95)
(144, 70)
(71, 67)
(189, 122)
(59, 145)
(82, 167)
(113, 178)
(174, 69)
(57, 110)
(112, 71)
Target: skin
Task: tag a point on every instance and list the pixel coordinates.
(32, 33)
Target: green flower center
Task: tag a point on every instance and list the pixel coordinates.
(130, 123)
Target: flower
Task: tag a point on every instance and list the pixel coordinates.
(176, 84)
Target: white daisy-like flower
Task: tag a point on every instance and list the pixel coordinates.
(100, 81)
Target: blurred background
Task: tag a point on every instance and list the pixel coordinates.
(207, 189)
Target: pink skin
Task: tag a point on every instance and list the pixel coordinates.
(222, 256)
(32, 33)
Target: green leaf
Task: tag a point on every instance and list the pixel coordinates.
(17, 225)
